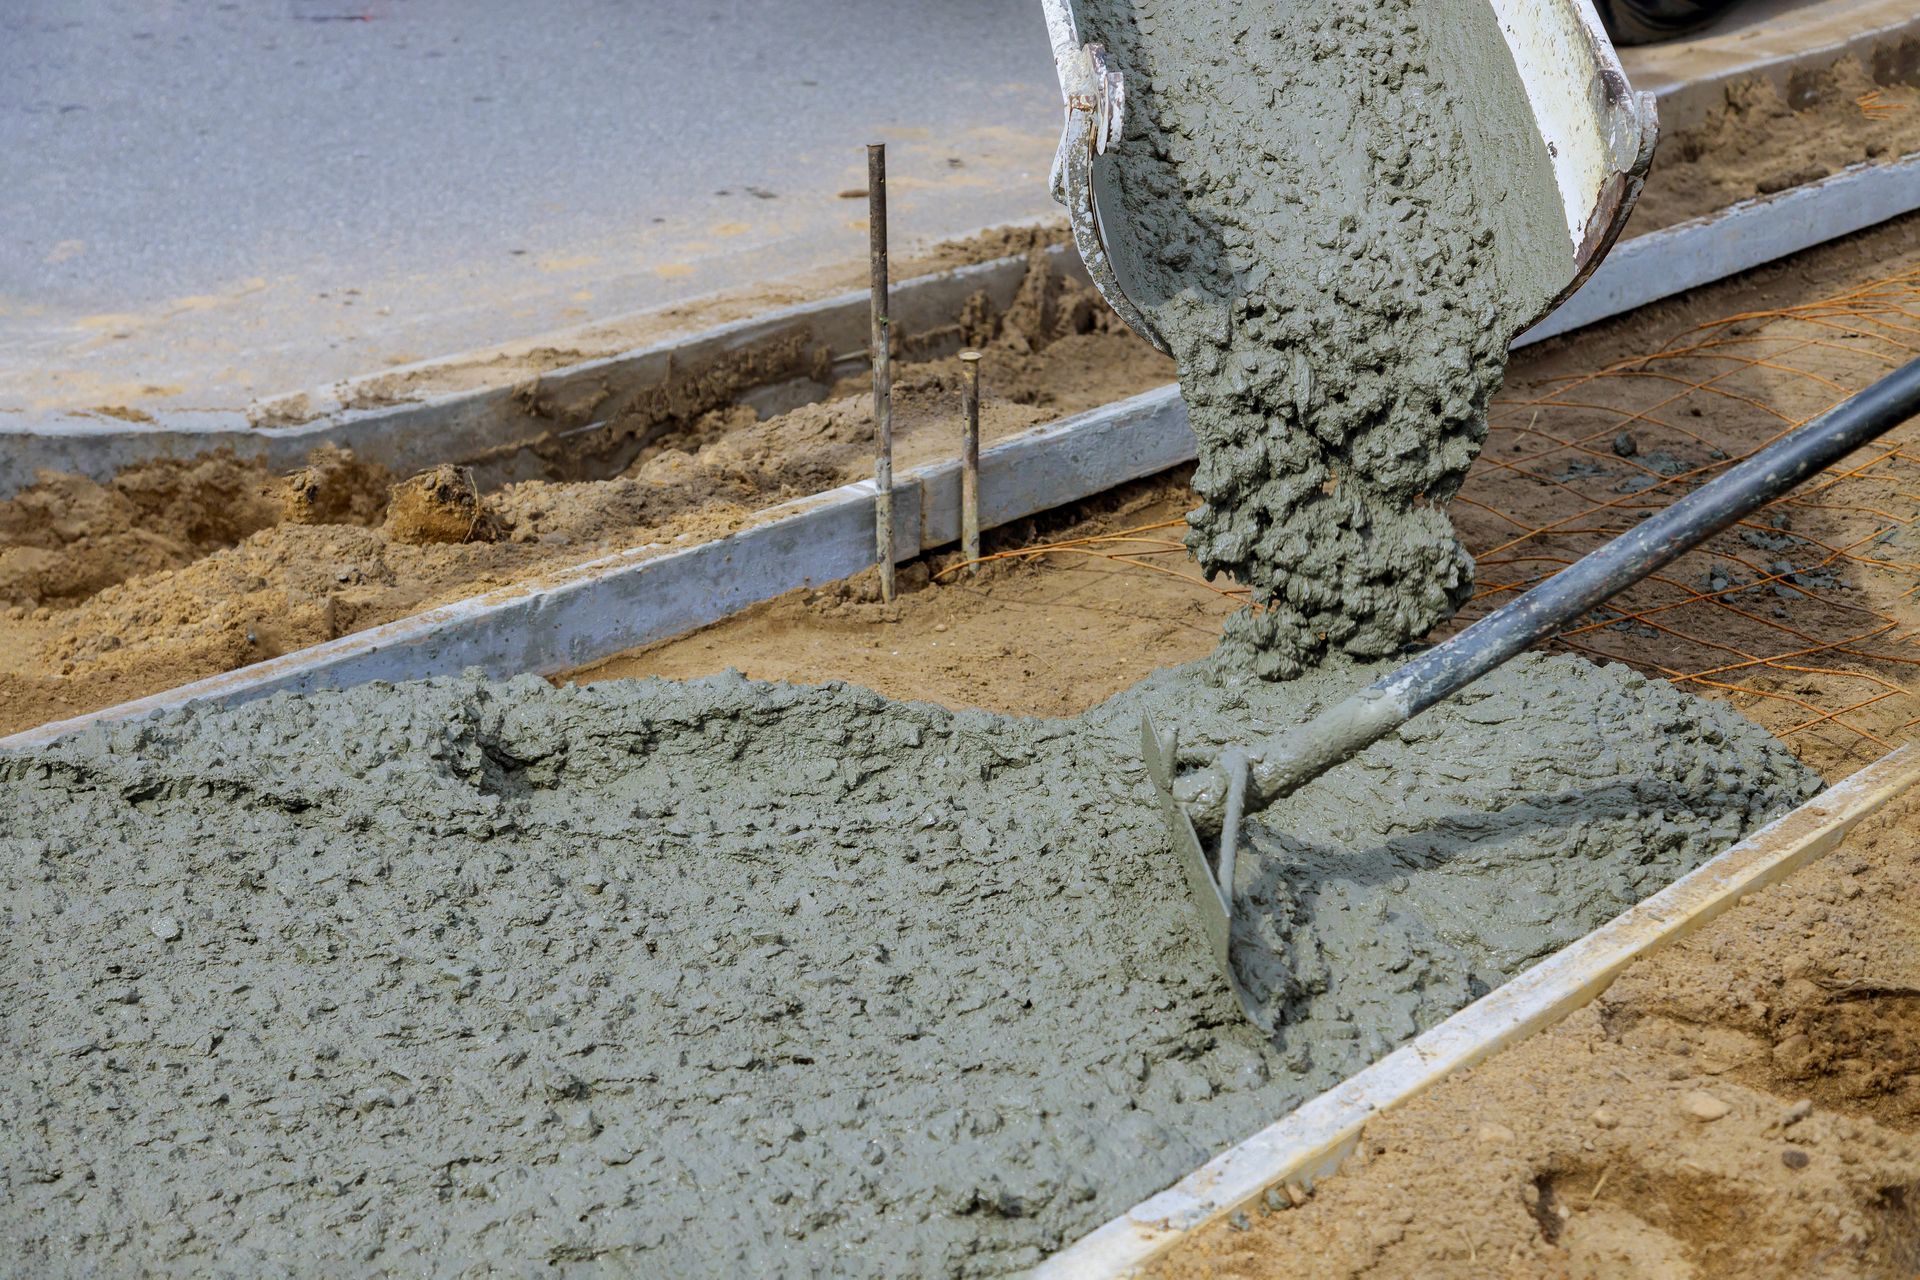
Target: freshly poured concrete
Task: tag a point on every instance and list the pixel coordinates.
(1337, 216)
(731, 978)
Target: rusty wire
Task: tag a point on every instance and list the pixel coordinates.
(1874, 107)
(1806, 615)
(1128, 548)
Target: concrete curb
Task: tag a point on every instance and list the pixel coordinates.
(1788, 47)
(1740, 237)
(773, 362)
(589, 611)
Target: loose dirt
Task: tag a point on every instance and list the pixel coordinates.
(176, 571)
(1048, 637)
(1762, 141)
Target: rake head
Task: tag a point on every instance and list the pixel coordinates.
(1209, 884)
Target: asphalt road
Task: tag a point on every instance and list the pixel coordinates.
(204, 203)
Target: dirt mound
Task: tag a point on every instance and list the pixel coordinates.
(336, 488)
(67, 537)
(440, 505)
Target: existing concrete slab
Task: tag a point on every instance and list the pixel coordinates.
(209, 203)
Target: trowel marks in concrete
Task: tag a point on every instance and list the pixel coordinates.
(726, 978)
(1337, 215)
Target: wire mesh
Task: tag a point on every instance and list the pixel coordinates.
(1806, 615)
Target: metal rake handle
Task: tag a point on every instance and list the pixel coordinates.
(1283, 763)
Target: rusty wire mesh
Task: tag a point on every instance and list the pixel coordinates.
(1806, 615)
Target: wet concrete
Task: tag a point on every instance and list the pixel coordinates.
(1337, 216)
(732, 978)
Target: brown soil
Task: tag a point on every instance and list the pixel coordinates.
(1584, 1151)
(438, 506)
(1804, 615)
(179, 571)
(335, 488)
(67, 538)
(1764, 141)
(1048, 636)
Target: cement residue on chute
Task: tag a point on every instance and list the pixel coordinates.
(1337, 216)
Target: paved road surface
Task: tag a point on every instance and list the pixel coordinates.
(207, 201)
(191, 190)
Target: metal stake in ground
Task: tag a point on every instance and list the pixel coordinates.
(882, 365)
(970, 464)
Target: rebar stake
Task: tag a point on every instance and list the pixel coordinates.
(970, 464)
(882, 365)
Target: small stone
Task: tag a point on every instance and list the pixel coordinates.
(1625, 446)
(1276, 1201)
(1703, 1106)
(1794, 1114)
(1239, 1221)
(1296, 1194)
(1604, 1119)
(165, 928)
(1495, 1133)
(939, 626)
(1795, 1158)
